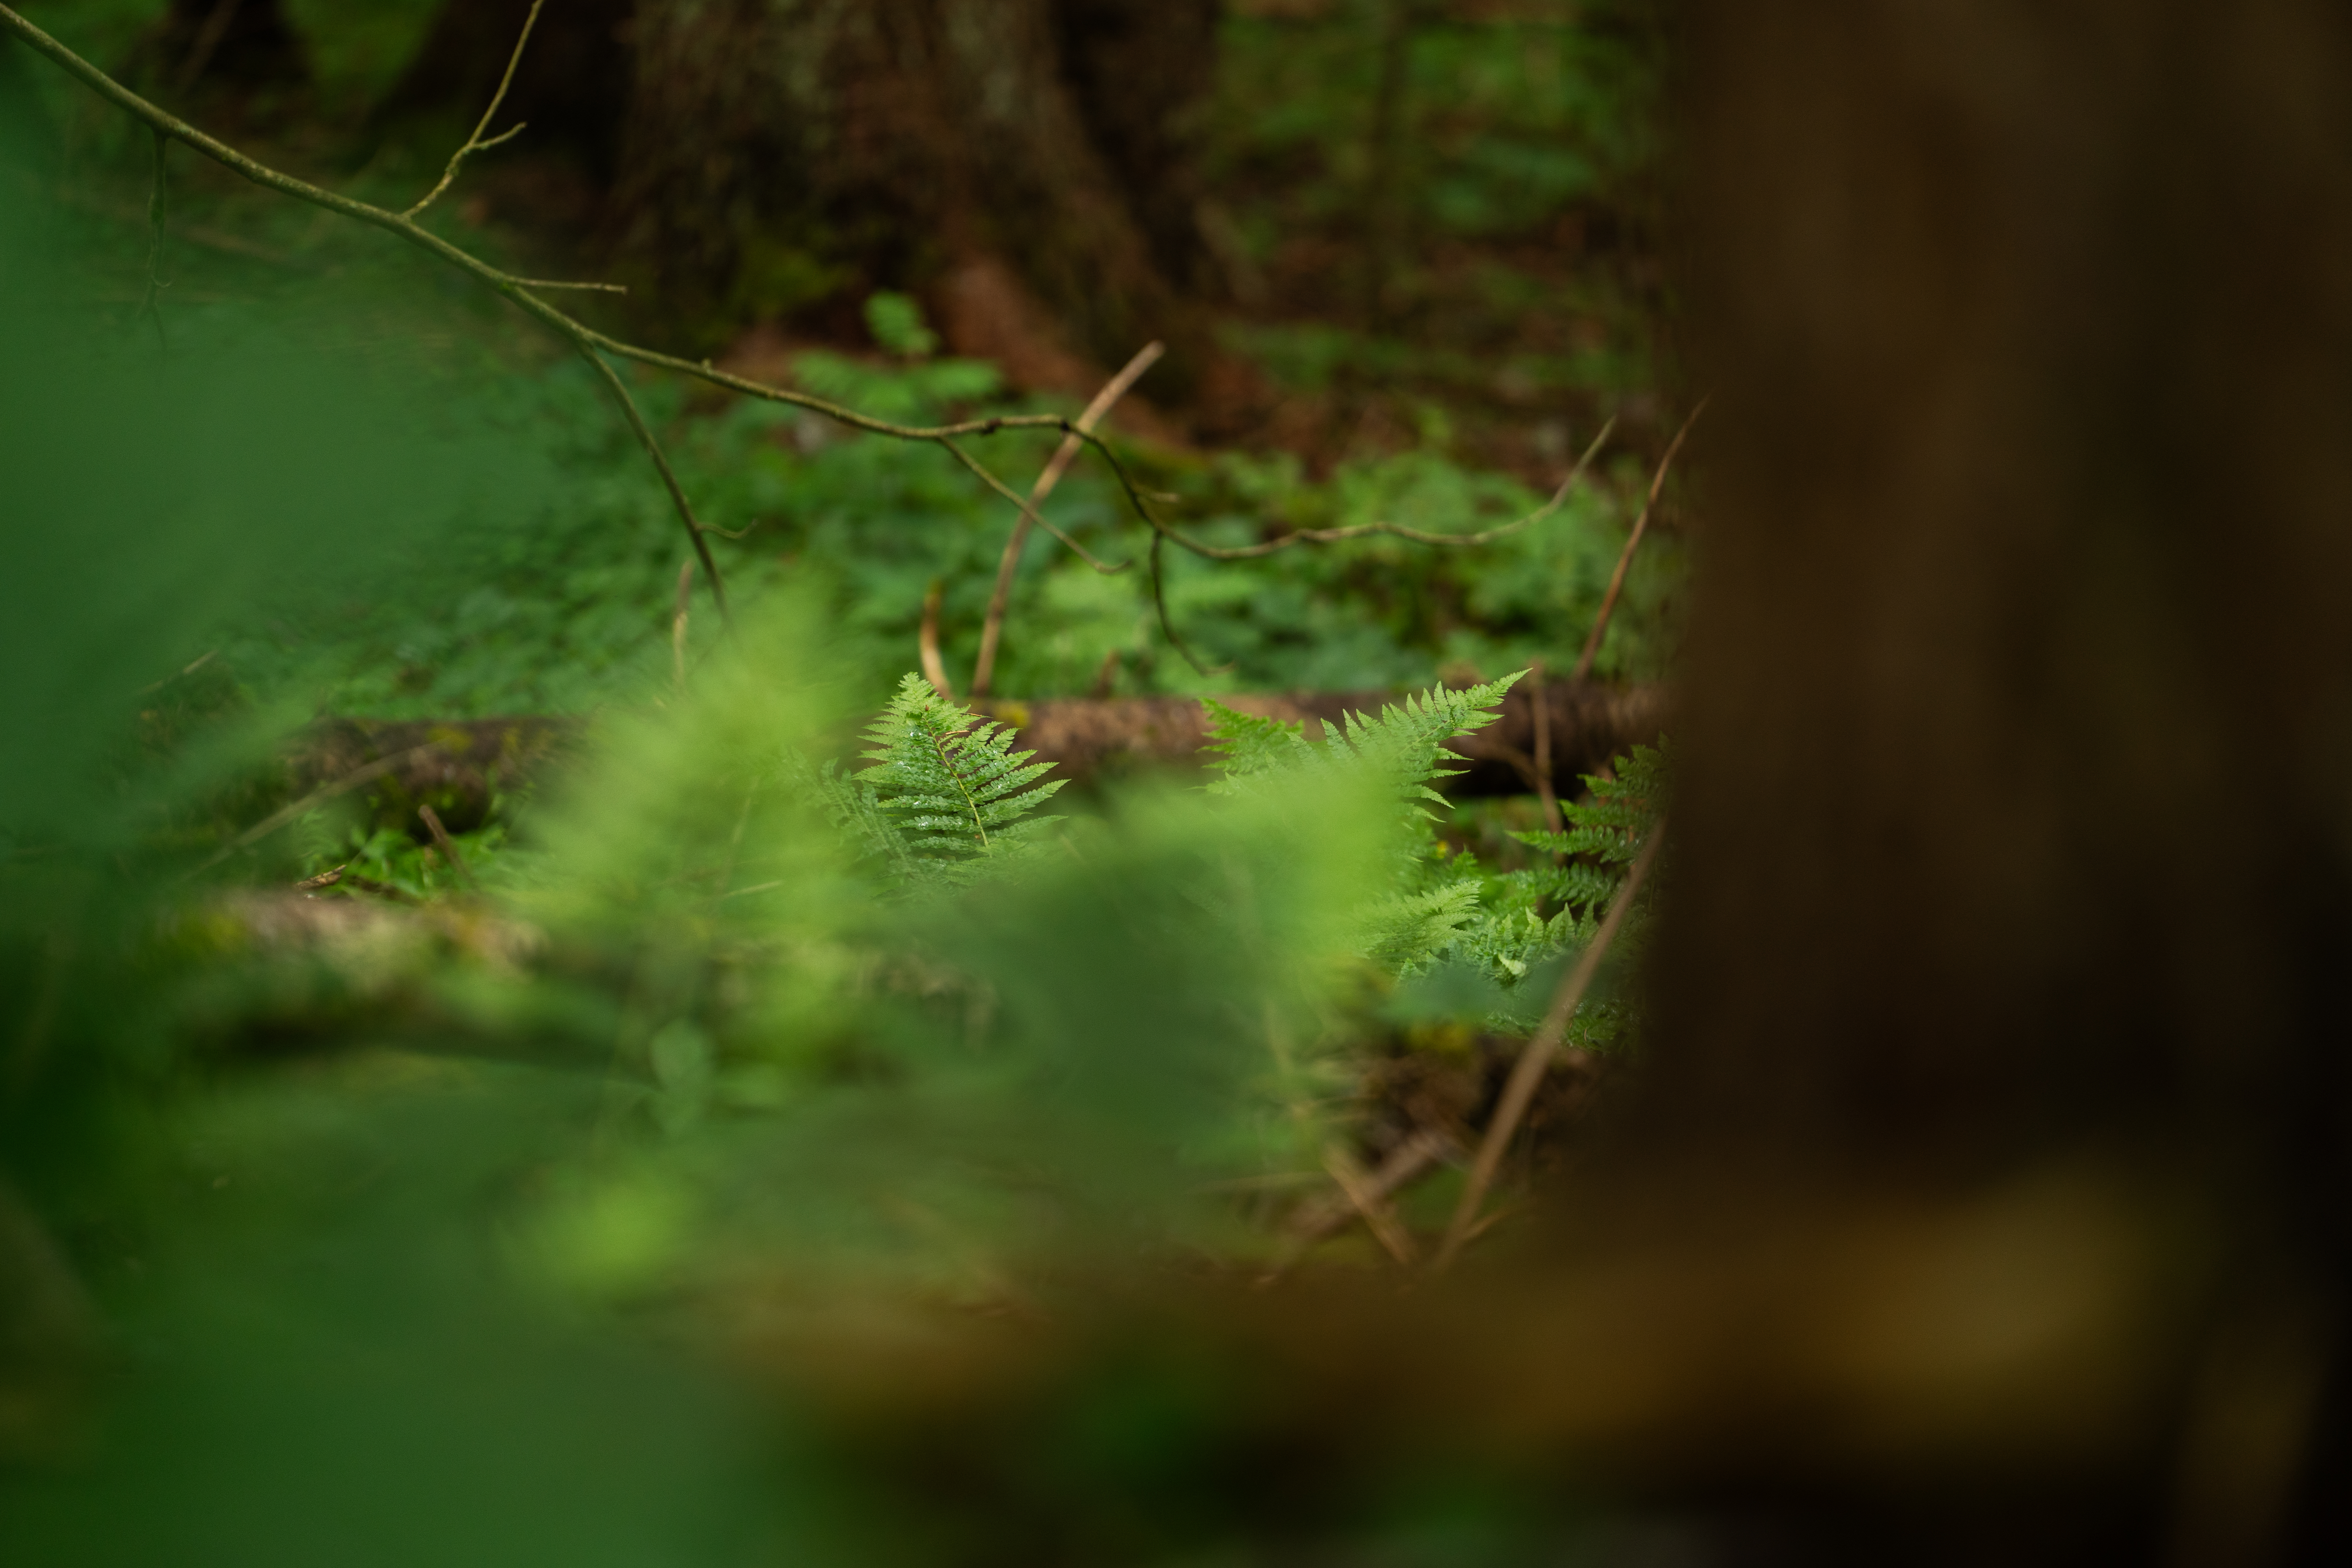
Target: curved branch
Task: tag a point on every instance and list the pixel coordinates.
(1396, 530)
(1166, 625)
(993, 628)
(1029, 513)
(694, 529)
(474, 143)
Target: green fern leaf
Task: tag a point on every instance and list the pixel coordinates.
(1250, 746)
(1406, 741)
(947, 783)
(1408, 931)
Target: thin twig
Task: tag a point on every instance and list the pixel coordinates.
(184, 672)
(1029, 514)
(1328, 1214)
(1379, 1214)
(927, 643)
(475, 143)
(447, 846)
(366, 773)
(685, 508)
(1418, 536)
(1543, 747)
(983, 669)
(583, 288)
(1535, 1058)
(504, 283)
(1632, 543)
(1167, 623)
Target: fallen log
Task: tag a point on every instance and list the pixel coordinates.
(1088, 740)
(461, 767)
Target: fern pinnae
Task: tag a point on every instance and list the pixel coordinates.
(958, 792)
(948, 762)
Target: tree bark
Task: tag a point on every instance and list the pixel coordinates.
(1026, 165)
(910, 140)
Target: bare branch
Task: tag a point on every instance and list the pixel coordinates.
(1166, 625)
(447, 846)
(504, 283)
(1029, 510)
(1535, 1059)
(1328, 1214)
(1364, 530)
(1378, 1214)
(983, 669)
(694, 531)
(1632, 543)
(475, 143)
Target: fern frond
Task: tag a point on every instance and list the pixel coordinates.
(1406, 740)
(952, 786)
(1408, 931)
(1250, 746)
(1612, 824)
(857, 812)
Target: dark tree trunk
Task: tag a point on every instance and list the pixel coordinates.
(977, 149)
(2018, 715)
(1026, 165)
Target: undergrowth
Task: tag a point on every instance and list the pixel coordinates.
(565, 605)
